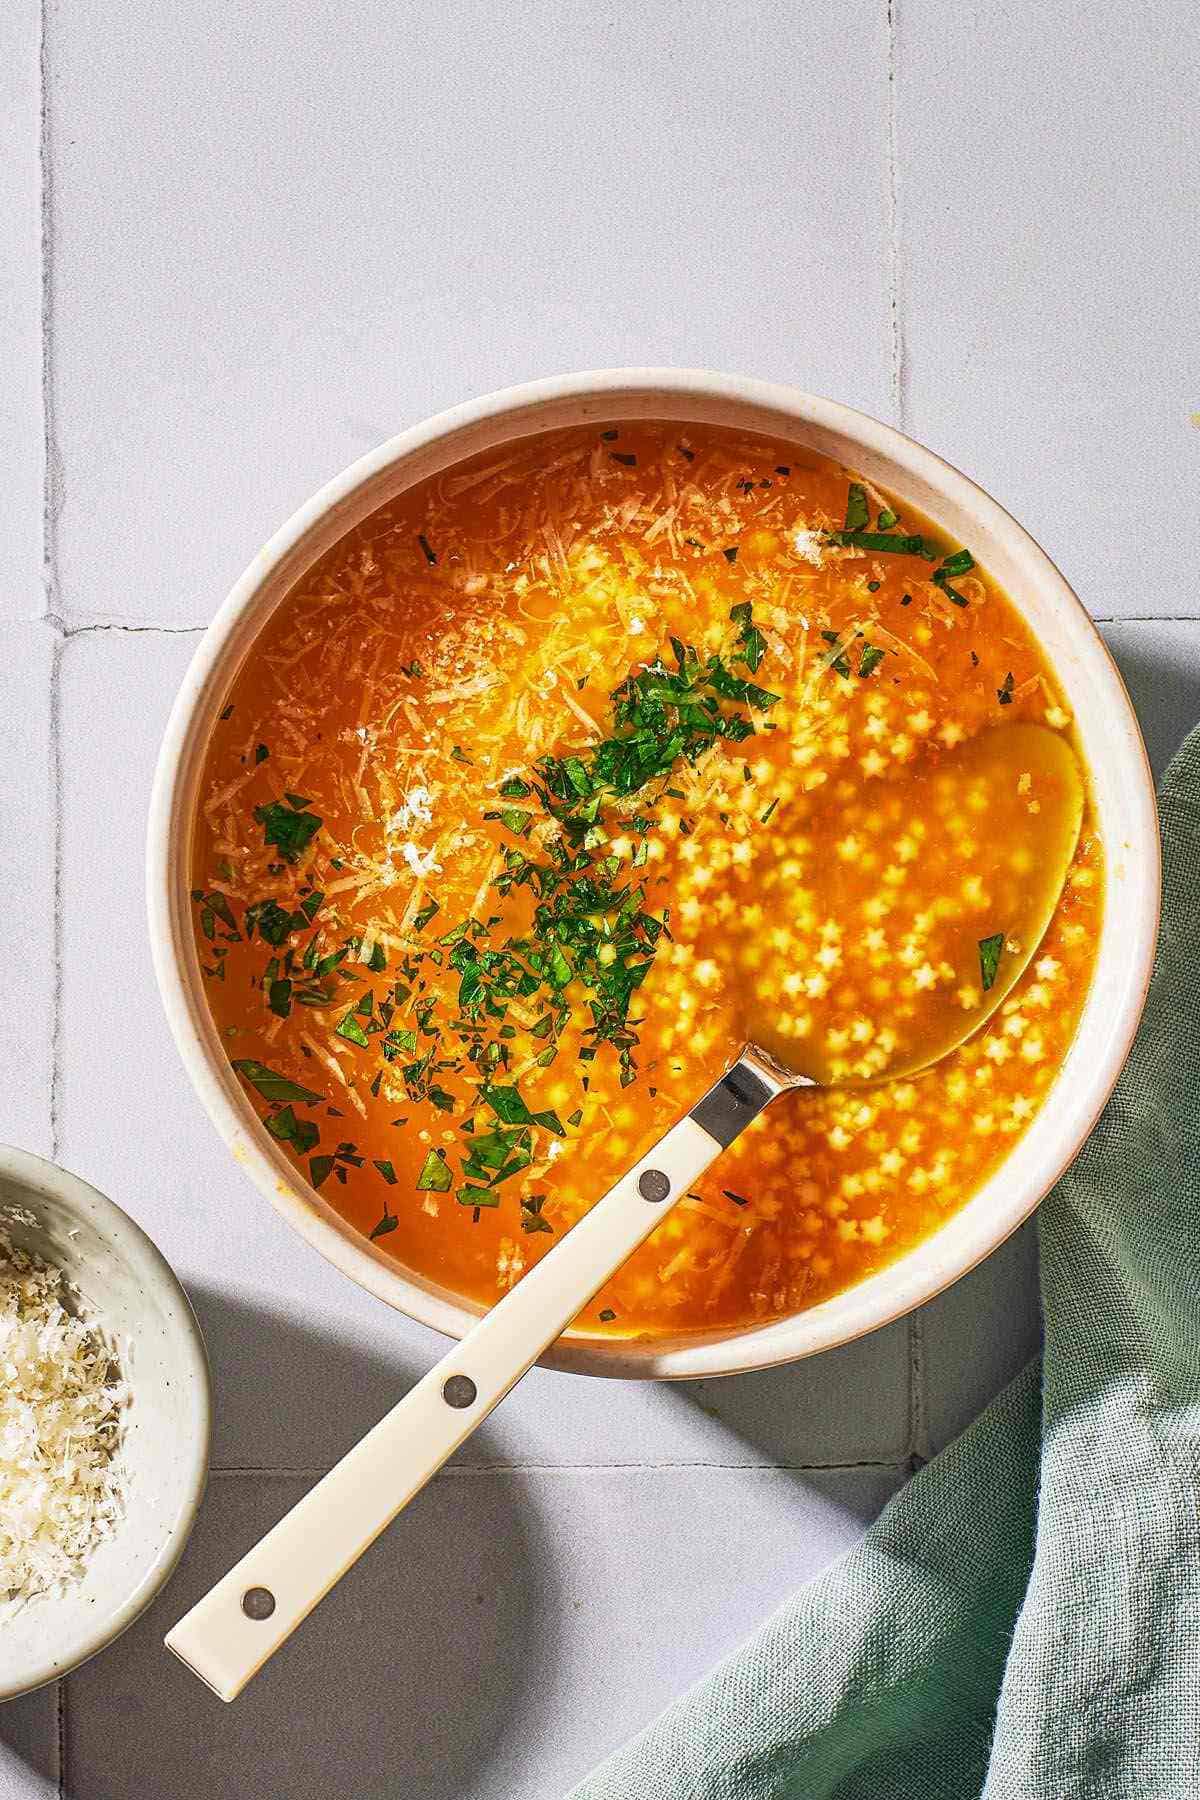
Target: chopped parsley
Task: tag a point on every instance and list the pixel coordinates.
(215, 907)
(289, 828)
(885, 539)
(751, 640)
(959, 563)
(272, 1086)
(350, 1029)
(435, 1176)
(302, 1134)
(990, 949)
(532, 1217)
(320, 1167)
(274, 924)
(514, 819)
(839, 662)
(888, 543)
(858, 513)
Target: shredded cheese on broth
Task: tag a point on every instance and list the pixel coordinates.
(572, 768)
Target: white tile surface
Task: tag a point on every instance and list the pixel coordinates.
(29, 1759)
(275, 234)
(21, 434)
(283, 237)
(508, 1629)
(1051, 250)
(27, 813)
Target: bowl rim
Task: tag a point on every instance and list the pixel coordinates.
(36, 1173)
(919, 1274)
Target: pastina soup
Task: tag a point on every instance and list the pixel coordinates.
(575, 766)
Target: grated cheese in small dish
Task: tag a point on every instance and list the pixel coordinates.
(61, 1403)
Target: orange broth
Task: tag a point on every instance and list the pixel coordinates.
(571, 768)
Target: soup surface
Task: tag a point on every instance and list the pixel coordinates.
(576, 766)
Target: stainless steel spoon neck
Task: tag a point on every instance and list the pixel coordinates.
(779, 1076)
(751, 1083)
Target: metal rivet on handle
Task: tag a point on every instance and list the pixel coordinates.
(459, 1390)
(653, 1185)
(258, 1603)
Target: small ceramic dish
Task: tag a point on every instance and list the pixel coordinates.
(126, 1287)
(1122, 794)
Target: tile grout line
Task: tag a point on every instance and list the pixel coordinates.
(61, 1686)
(901, 1465)
(919, 1448)
(56, 935)
(51, 463)
(119, 625)
(899, 372)
(67, 631)
(1145, 619)
(52, 605)
(51, 489)
(916, 1398)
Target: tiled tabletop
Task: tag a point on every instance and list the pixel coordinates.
(240, 245)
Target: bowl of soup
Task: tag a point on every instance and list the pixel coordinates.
(566, 741)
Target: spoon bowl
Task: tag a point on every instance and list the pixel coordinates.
(1011, 806)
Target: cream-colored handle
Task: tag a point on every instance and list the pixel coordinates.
(230, 1633)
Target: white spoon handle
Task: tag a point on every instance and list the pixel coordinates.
(230, 1633)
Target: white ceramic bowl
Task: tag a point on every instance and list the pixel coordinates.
(131, 1292)
(1112, 744)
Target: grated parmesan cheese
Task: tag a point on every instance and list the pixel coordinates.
(415, 809)
(421, 862)
(61, 1399)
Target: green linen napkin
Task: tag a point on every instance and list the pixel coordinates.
(1023, 1621)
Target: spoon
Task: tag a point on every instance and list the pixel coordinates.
(229, 1634)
